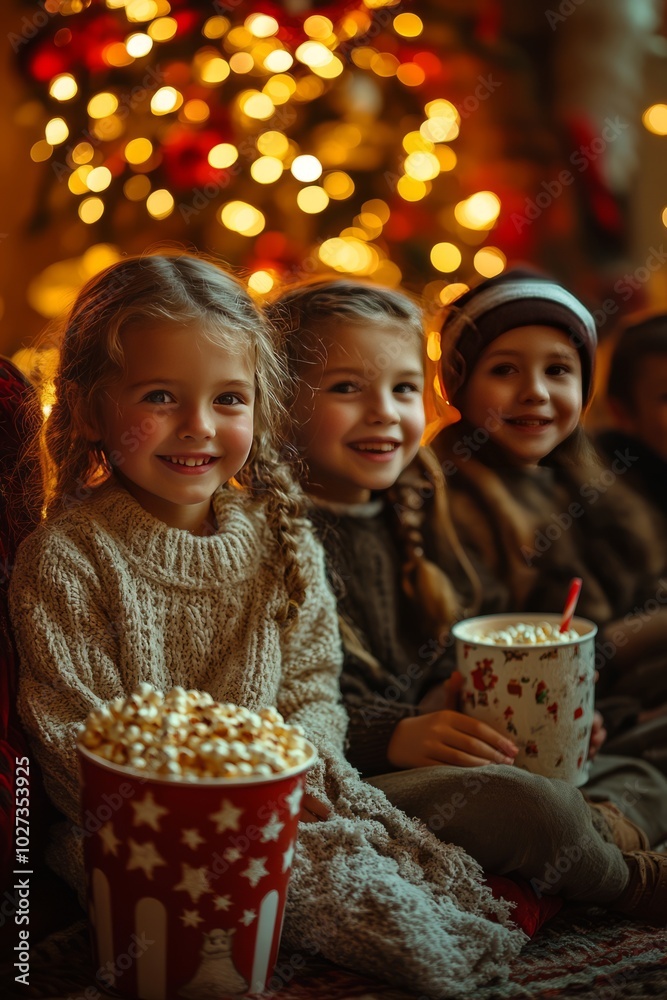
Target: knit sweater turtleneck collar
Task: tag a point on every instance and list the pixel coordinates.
(168, 554)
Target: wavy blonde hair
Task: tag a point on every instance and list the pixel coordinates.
(169, 288)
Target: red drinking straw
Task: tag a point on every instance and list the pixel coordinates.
(570, 604)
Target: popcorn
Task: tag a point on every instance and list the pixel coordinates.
(522, 634)
(187, 735)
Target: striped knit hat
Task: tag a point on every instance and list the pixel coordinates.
(519, 297)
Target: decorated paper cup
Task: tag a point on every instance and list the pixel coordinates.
(539, 695)
(187, 880)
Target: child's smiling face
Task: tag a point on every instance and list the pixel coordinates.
(358, 416)
(178, 423)
(526, 391)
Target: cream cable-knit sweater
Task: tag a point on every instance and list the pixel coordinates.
(106, 596)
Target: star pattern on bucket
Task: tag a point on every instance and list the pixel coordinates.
(227, 817)
(255, 871)
(272, 829)
(288, 857)
(110, 841)
(192, 838)
(293, 800)
(191, 918)
(144, 856)
(194, 881)
(148, 811)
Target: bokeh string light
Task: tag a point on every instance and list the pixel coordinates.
(288, 138)
(278, 129)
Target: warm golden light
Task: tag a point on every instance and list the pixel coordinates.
(489, 261)
(77, 180)
(446, 157)
(273, 143)
(379, 208)
(278, 61)
(83, 152)
(223, 155)
(384, 64)
(139, 44)
(212, 70)
(330, 70)
(266, 169)
(411, 189)
(163, 29)
(280, 88)
(63, 87)
(408, 25)
(312, 199)
(215, 27)
(138, 150)
(262, 25)
(102, 105)
(56, 131)
(116, 54)
(451, 292)
(313, 54)
(479, 211)
(160, 203)
(414, 142)
(664, 216)
(40, 151)
(440, 129)
(256, 105)
(90, 210)
(317, 26)
(338, 185)
(242, 62)
(655, 119)
(433, 347)
(410, 74)
(422, 166)
(261, 282)
(98, 179)
(445, 257)
(165, 100)
(242, 218)
(306, 168)
(141, 10)
(349, 255)
(196, 110)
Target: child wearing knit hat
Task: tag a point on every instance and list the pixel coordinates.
(530, 499)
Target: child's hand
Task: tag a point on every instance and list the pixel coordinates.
(598, 735)
(447, 737)
(312, 810)
(443, 695)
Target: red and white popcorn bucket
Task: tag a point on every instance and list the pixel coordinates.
(187, 880)
(539, 695)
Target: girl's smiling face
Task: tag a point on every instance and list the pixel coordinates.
(178, 423)
(358, 416)
(526, 392)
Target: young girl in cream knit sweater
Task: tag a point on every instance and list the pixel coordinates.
(174, 552)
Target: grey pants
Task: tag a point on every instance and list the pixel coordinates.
(636, 787)
(511, 821)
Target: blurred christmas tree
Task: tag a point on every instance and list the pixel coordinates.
(416, 142)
